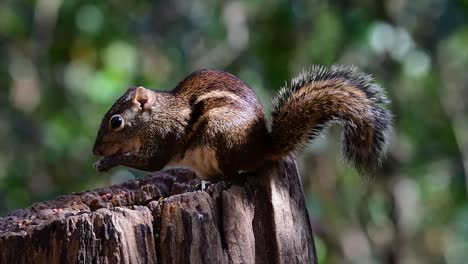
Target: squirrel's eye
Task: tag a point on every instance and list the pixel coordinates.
(116, 122)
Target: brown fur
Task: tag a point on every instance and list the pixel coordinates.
(324, 98)
(215, 124)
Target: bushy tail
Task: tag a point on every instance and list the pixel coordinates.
(321, 96)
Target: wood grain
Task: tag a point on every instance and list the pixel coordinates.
(161, 219)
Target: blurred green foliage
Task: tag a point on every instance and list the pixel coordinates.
(64, 63)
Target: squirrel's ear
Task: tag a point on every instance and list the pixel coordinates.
(143, 98)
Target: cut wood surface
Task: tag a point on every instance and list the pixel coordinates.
(165, 218)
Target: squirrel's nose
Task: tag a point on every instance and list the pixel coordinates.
(97, 147)
(97, 151)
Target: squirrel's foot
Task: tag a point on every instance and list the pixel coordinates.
(201, 186)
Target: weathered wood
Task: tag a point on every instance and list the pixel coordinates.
(161, 219)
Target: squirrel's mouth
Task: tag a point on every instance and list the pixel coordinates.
(120, 152)
(111, 149)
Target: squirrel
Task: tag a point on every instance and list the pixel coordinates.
(214, 123)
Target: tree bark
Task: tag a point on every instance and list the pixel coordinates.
(261, 218)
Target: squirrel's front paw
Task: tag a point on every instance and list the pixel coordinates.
(104, 164)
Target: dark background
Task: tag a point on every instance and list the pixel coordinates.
(63, 63)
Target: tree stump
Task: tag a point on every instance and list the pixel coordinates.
(162, 219)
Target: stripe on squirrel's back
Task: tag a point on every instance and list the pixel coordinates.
(213, 80)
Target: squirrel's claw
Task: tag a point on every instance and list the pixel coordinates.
(202, 186)
(104, 164)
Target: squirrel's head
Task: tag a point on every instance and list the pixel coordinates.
(122, 127)
(144, 123)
